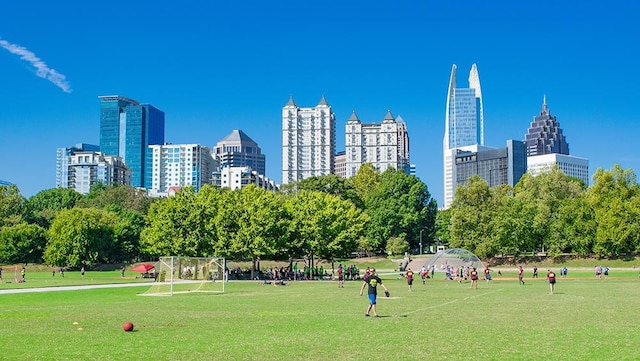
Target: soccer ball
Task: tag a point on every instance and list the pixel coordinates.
(127, 327)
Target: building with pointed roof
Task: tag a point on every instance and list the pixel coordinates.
(464, 125)
(308, 141)
(384, 145)
(544, 135)
(547, 147)
(238, 150)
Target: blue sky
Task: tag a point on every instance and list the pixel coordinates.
(215, 66)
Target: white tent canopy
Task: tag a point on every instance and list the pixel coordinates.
(455, 258)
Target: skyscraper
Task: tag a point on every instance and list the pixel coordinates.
(87, 168)
(464, 125)
(127, 128)
(238, 150)
(384, 145)
(544, 135)
(308, 141)
(547, 147)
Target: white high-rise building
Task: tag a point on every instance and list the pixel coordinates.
(180, 165)
(384, 145)
(464, 125)
(308, 141)
(87, 168)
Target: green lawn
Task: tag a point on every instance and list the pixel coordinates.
(586, 319)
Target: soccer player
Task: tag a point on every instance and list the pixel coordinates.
(551, 278)
(409, 276)
(372, 283)
(340, 277)
(474, 278)
(521, 275)
(487, 274)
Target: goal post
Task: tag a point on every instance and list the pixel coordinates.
(179, 274)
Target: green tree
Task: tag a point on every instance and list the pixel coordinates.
(397, 246)
(323, 225)
(22, 243)
(471, 217)
(12, 205)
(117, 197)
(43, 207)
(333, 184)
(366, 179)
(180, 225)
(400, 206)
(80, 236)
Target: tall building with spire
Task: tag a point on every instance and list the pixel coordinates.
(464, 125)
(544, 135)
(547, 147)
(308, 141)
(384, 145)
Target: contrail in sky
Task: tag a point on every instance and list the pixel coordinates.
(42, 69)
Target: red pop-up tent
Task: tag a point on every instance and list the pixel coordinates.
(142, 268)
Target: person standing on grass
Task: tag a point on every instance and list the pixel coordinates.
(521, 275)
(487, 274)
(372, 283)
(23, 274)
(82, 271)
(409, 276)
(0, 274)
(535, 271)
(551, 278)
(340, 276)
(474, 278)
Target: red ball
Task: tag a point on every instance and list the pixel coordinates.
(128, 326)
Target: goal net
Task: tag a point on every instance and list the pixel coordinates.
(176, 275)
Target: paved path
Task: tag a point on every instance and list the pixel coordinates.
(71, 288)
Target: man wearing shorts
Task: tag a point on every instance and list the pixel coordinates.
(409, 276)
(372, 283)
(551, 278)
(521, 275)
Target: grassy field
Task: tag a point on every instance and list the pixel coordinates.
(585, 319)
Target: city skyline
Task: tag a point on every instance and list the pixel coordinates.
(221, 67)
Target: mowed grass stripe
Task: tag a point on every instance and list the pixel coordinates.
(444, 320)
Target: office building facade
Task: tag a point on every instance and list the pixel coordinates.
(180, 165)
(308, 141)
(127, 128)
(464, 125)
(384, 145)
(238, 150)
(572, 166)
(495, 165)
(63, 159)
(239, 177)
(87, 168)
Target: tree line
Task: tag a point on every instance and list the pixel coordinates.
(323, 217)
(550, 213)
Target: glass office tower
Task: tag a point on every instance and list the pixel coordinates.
(464, 125)
(127, 128)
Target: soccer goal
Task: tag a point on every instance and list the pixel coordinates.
(176, 275)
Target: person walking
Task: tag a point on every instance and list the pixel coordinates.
(372, 283)
(409, 276)
(551, 278)
(521, 275)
